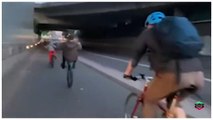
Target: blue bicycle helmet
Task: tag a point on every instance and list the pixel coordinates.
(154, 18)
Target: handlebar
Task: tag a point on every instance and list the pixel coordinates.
(144, 77)
(139, 77)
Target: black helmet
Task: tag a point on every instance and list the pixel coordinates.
(70, 34)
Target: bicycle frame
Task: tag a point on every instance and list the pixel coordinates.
(139, 99)
(51, 55)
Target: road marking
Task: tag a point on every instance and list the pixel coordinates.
(142, 65)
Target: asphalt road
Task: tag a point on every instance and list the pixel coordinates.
(32, 89)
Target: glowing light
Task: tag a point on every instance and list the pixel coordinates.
(27, 47)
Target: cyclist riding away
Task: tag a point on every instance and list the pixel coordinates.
(51, 48)
(70, 48)
(172, 44)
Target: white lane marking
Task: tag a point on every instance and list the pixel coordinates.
(142, 65)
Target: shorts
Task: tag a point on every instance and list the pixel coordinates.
(164, 84)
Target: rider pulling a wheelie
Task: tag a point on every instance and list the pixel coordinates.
(70, 48)
(166, 80)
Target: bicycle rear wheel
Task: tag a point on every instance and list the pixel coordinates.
(69, 77)
(133, 107)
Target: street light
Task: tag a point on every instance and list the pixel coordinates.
(27, 47)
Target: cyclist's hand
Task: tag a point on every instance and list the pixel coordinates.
(130, 77)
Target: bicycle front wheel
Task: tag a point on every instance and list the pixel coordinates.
(69, 77)
(133, 107)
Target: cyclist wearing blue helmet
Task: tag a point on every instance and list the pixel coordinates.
(154, 18)
(165, 79)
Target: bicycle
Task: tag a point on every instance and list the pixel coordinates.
(52, 59)
(69, 75)
(165, 106)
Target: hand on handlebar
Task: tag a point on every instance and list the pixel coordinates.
(140, 76)
(130, 77)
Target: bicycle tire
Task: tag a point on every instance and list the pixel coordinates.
(69, 77)
(130, 103)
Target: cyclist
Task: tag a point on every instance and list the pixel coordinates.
(164, 82)
(51, 48)
(70, 48)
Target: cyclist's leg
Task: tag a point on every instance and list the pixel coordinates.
(195, 79)
(162, 85)
(175, 111)
(191, 78)
(63, 61)
(179, 112)
(73, 64)
(68, 64)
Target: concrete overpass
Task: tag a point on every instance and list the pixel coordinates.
(117, 24)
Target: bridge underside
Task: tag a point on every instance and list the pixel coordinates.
(117, 24)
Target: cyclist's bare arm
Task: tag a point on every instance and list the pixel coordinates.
(140, 51)
(129, 69)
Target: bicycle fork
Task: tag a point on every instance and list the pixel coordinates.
(139, 99)
(136, 106)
